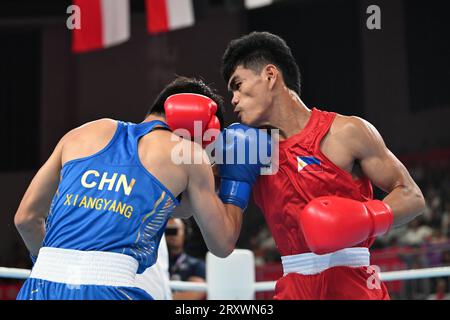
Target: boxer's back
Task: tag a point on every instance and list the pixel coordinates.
(112, 194)
(154, 150)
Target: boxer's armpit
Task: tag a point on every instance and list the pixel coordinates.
(184, 210)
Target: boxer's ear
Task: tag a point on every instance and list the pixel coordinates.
(271, 74)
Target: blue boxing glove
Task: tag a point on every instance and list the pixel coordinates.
(241, 153)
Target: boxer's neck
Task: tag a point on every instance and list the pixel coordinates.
(153, 117)
(288, 114)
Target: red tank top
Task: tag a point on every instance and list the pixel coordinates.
(304, 174)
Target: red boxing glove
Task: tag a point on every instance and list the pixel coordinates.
(211, 136)
(193, 112)
(333, 223)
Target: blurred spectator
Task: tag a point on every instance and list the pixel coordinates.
(183, 267)
(417, 289)
(264, 247)
(437, 237)
(441, 291)
(445, 224)
(417, 233)
(446, 258)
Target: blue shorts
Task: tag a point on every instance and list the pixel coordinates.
(37, 289)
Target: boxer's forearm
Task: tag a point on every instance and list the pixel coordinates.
(219, 223)
(221, 231)
(406, 202)
(234, 217)
(32, 231)
(229, 230)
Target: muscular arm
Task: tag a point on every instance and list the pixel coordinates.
(184, 210)
(385, 171)
(35, 204)
(219, 223)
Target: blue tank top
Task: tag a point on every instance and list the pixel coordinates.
(109, 201)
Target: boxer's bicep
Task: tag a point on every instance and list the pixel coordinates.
(385, 171)
(378, 163)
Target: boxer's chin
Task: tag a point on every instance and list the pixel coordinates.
(248, 120)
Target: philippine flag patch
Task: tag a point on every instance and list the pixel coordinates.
(309, 164)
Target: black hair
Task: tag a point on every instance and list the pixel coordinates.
(187, 85)
(257, 49)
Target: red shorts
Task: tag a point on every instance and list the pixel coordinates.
(337, 283)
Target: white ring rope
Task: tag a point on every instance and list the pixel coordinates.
(415, 274)
(188, 286)
(15, 273)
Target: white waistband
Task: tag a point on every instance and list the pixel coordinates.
(85, 267)
(311, 263)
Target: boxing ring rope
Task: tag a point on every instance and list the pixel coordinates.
(15, 273)
(384, 276)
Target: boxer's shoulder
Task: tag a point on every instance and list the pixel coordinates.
(348, 127)
(164, 139)
(172, 150)
(97, 128)
(345, 124)
(88, 138)
(355, 133)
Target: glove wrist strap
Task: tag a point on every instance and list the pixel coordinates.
(382, 216)
(235, 192)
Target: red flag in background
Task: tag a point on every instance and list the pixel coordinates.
(165, 15)
(104, 23)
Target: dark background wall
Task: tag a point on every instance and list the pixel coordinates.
(385, 76)
(406, 60)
